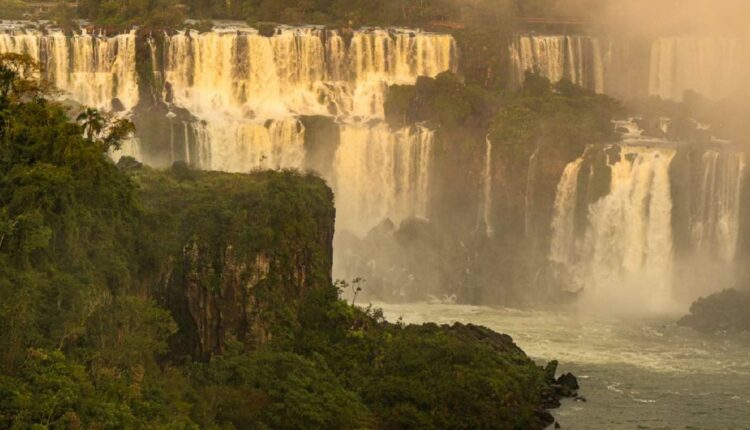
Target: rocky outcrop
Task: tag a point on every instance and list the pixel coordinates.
(229, 309)
(242, 251)
(726, 311)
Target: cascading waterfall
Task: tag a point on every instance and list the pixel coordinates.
(381, 174)
(576, 58)
(626, 251)
(715, 211)
(624, 258)
(234, 98)
(713, 67)
(241, 147)
(93, 70)
(631, 228)
(486, 206)
(249, 89)
(298, 71)
(563, 248)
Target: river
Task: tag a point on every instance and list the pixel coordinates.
(635, 373)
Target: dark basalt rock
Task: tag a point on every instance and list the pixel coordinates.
(117, 105)
(128, 164)
(726, 311)
(569, 381)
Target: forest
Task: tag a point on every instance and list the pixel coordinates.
(341, 13)
(102, 327)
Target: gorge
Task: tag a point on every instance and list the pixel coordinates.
(285, 214)
(233, 99)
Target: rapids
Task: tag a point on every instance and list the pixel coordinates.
(635, 374)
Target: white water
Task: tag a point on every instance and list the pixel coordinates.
(576, 58)
(245, 146)
(624, 261)
(646, 373)
(486, 206)
(249, 89)
(246, 92)
(299, 71)
(630, 235)
(715, 215)
(381, 174)
(92, 70)
(713, 67)
(563, 248)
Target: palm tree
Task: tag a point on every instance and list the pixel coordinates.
(93, 122)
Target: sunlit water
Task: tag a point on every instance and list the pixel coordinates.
(635, 374)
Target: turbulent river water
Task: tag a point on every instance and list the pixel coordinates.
(634, 373)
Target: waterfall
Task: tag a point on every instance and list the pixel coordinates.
(234, 99)
(563, 247)
(624, 257)
(715, 212)
(665, 67)
(712, 67)
(486, 214)
(241, 147)
(92, 70)
(630, 232)
(381, 174)
(299, 70)
(576, 58)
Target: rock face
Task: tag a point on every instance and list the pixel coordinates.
(564, 386)
(243, 251)
(726, 311)
(229, 310)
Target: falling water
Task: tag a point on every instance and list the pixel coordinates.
(382, 174)
(92, 70)
(563, 222)
(576, 58)
(242, 147)
(249, 89)
(624, 259)
(299, 70)
(715, 212)
(711, 67)
(487, 191)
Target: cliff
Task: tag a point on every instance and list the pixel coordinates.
(233, 255)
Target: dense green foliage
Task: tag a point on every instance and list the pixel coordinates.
(444, 101)
(562, 113)
(96, 270)
(338, 12)
(343, 12)
(534, 132)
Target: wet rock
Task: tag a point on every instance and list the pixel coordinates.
(566, 385)
(568, 380)
(117, 105)
(726, 311)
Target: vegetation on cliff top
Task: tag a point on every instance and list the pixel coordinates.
(339, 12)
(90, 332)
